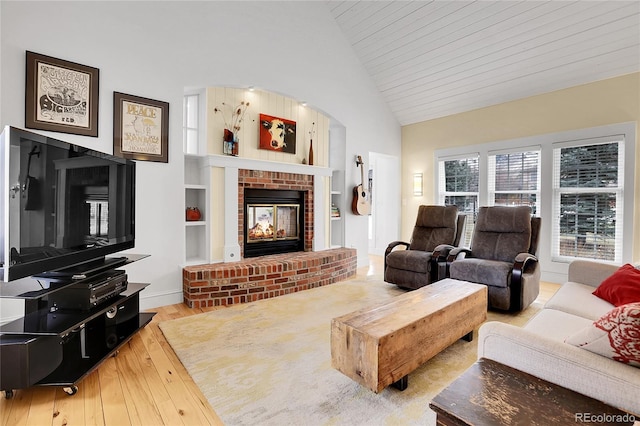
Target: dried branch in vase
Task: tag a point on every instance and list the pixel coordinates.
(236, 115)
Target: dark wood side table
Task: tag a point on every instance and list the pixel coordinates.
(490, 393)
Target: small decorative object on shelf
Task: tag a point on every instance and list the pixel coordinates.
(234, 146)
(335, 211)
(227, 141)
(311, 143)
(232, 127)
(193, 214)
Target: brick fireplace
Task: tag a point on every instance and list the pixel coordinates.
(236, 279)
(259, 179)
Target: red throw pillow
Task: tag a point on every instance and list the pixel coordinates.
(616, 335)
(622, 287)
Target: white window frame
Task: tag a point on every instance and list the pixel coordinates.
(619, 192)
(554, 270)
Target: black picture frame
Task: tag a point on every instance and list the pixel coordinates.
(61, 96)
(140, 128)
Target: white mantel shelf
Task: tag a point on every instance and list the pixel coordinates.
(264, 165)
(231, 165)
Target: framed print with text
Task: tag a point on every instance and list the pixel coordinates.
(140, 128)
(61, 96)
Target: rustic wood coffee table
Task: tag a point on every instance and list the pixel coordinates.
(490, 393)
(380, 345)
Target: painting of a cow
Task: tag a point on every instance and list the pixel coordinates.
(277, 134)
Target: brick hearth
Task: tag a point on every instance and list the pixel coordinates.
(264, 277)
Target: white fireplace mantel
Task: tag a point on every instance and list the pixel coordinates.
(271, 166)
(231, 165)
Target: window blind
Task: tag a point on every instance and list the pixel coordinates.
(190, 124)
(588, 200)
(514, 179)
(459, 185)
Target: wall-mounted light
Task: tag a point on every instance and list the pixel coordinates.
(417, 184)
(303, 103)
(251, 88)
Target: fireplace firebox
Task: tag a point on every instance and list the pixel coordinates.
(273, 221)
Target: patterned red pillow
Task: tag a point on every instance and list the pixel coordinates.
(616, 335)
(622, 287)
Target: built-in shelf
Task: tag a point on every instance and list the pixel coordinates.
(196, 194)
(337, 200)
(192, 186)
(195, 223)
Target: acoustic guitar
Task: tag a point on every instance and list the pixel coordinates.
(360, 204)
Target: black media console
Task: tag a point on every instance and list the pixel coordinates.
(70, 326)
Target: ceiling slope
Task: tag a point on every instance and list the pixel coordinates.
(430, 59)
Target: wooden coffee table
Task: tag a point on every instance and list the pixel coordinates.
(490, 393)
(381, 344)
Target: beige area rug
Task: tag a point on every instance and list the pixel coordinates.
(269, 362)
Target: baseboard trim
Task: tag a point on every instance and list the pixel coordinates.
(150, 301)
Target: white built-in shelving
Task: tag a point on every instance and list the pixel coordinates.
(337, 201)
(196, 194)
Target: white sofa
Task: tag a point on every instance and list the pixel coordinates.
(538, 348)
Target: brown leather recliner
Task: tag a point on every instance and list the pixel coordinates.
(416, 267)
(502, 256)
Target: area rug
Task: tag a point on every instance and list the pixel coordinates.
(269, 362)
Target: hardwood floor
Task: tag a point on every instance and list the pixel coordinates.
(145, 384)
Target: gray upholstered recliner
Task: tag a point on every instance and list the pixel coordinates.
(502, 256)
(415, 267)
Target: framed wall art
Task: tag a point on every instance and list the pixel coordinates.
(61, 96)
(140, 128)
(277, 134)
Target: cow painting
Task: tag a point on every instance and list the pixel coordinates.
(277, 134)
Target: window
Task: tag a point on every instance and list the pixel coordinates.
(514, 179)
(458, 186)
(580, 182)
(588, 199)
(190, 124)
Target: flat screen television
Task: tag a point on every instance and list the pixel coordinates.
(62, 205)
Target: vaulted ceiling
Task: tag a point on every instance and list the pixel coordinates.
(435, 58)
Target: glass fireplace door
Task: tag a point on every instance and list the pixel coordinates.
(269, 222)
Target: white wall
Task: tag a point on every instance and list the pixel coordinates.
(156, 50)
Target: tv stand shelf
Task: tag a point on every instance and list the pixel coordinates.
(80, 361)
(58, 280)
(59, 347)
(64, 321)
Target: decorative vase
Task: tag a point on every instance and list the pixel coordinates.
(227, 142)
(234, 145)
(311, 152)
(193, 214)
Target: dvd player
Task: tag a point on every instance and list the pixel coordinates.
(90, 292)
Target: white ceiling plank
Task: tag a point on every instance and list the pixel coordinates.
(604, 66)
(561, 51)
(433, 58)
(387, 38)
(506, 40)
(443, 30)
(577, 22)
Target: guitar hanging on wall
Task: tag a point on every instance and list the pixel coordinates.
(360, 204)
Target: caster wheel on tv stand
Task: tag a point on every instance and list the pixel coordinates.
(70, 390)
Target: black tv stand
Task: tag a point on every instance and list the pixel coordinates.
(86, 269)
(60, 347)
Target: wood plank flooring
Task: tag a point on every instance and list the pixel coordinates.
(145, 384)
